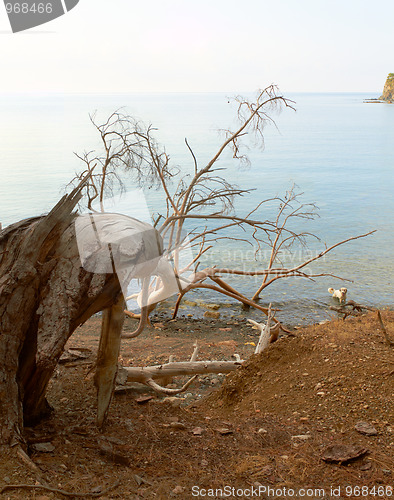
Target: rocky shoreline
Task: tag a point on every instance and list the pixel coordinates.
(372, 101)
(388, 92)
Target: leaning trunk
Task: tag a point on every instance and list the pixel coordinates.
(45, 295)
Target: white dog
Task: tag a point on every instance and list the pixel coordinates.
(339, 294)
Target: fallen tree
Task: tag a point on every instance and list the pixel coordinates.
(45, 294)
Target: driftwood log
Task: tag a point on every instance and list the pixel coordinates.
(165, 372)
(351, 308)
(45, 294)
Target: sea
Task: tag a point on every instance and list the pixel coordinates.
(333, 147)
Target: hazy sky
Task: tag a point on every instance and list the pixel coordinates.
(204, 45)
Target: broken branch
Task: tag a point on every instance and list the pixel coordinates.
(389, 341)
(57, 490)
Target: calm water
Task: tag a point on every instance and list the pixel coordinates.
(339, 150)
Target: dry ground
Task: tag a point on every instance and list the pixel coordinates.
(267, 425)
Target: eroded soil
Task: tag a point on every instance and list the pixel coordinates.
(268, 424)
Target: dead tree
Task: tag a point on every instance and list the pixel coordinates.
(198, 203)
(45, 294)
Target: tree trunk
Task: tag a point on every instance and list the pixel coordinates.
(107, 358)
(45, 295)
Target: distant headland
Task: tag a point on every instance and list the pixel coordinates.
(388, 91)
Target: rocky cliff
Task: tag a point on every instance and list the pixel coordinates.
(388, 91)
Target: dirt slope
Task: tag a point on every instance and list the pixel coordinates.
(268, 425)
(337, 372)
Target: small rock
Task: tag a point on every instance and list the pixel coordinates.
(214, 307)
(173, 419)
(302, 437)
(224, 431)
(197, 431)
(43, 447)
(365, 428)
(366, 466)
(178, 426)
(262, 431)
(342, 454)
(190, 303)
(143, 399)
(173, 401)
(178, 490)
(212, 314)
(6, 479)
(72, 355)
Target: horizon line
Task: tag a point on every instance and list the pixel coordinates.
(160, 92)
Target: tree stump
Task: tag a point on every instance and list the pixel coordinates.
(45, 294)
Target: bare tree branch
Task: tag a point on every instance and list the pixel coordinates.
(206, 198)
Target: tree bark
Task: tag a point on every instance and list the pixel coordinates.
(107, 358)
(45, 295)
